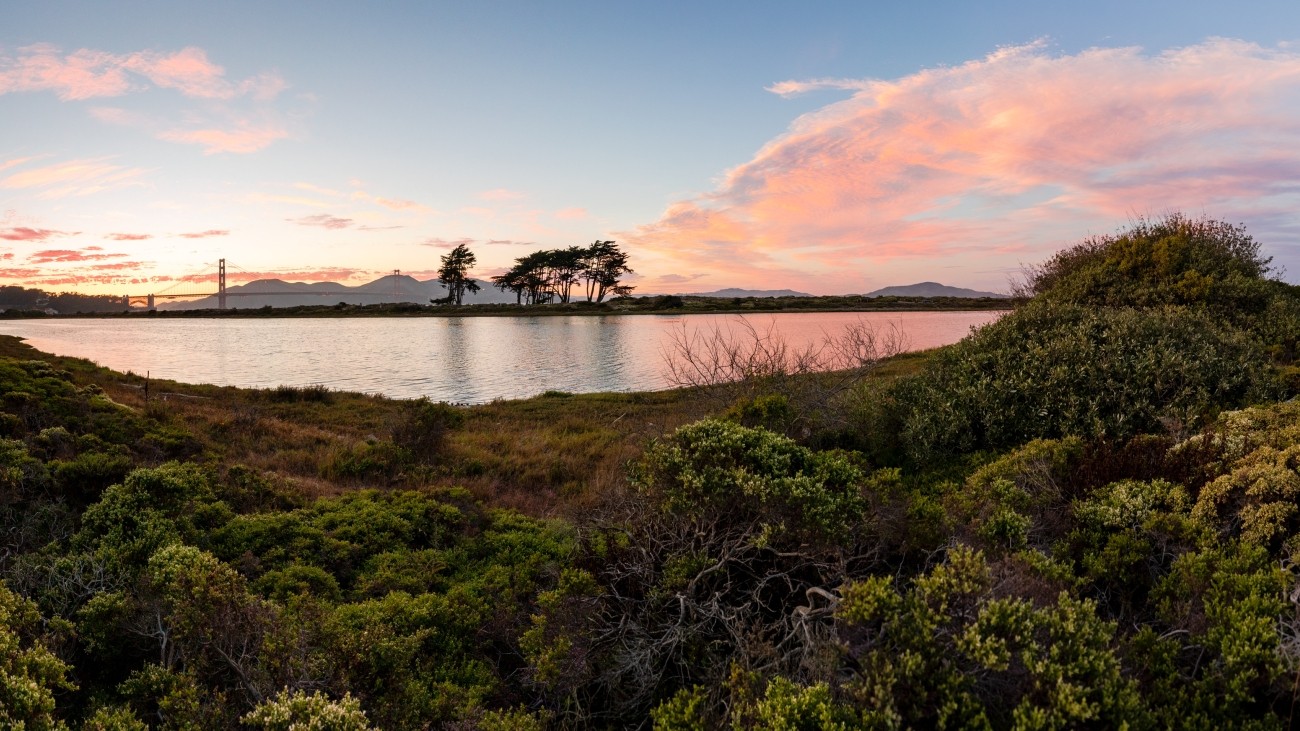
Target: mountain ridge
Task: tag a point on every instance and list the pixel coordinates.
(930, 289)
(400, 288)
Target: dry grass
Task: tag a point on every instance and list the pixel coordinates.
(551, 455)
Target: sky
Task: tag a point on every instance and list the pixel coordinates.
(826, 147)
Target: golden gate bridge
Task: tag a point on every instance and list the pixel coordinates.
(222, 294)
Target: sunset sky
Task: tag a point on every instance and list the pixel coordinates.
(825, 147)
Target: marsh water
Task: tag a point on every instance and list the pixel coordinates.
(458, 359)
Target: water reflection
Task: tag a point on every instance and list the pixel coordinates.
(462, 359)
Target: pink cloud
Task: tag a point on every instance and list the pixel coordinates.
(438, 243)
(1021, 146)
(794, 88)
(571, 214)
(50, 256)
(205, 234)
(75, 178)
(17, 161)
(245, 138)
(117, 266)
(87, 73)
(130, 237)
(240, 136)
(23, 233)
(329, 274)
(323, 221)
(399, 204)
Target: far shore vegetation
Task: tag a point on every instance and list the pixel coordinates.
(545, 282)
(670, 304)
(1083, 515)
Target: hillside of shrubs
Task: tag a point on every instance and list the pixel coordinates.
(1084, 515)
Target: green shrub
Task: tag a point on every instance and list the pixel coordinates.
(30, 675)
(85, 477)
(949, 652)
(769, 411)
(315, 393)
(295, 710)
(717, 467)
(1048, 371)
(1173, 260)
(152, 508)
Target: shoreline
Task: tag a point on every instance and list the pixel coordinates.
(677, 306)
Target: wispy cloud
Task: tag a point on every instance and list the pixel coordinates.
(16, 162)
(234, 116)
(794, 88)
(89, 253)
(399, 204)
(322, 220)
(440, 243)
(118, 266)
(500, 194)
(243, 138)
(1020, 147)
(129, 237)
(678, 278)
(88, 73)
(24, 233)
(327, 274)
(210, 233)
(75, 177)
(392, 204)
(571, 214)
(228, 132)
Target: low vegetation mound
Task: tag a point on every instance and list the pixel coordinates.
(1159, 326)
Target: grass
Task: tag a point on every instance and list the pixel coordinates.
(550, 455)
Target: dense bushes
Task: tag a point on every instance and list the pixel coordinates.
(1174, 260)
(1050, 370)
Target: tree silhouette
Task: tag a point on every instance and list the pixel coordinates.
(604, 263)
(454, 273)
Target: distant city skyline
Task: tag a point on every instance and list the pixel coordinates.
(827, 148)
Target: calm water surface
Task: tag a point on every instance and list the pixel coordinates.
(460, 359)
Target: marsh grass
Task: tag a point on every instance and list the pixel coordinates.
(550, 455)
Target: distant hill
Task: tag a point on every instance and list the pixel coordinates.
(385, 290)
(734, 292)
(930, 289)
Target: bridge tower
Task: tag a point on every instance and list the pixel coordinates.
(221, 284)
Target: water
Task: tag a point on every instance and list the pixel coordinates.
(459, 359)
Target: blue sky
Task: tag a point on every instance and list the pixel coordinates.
(828, 147)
